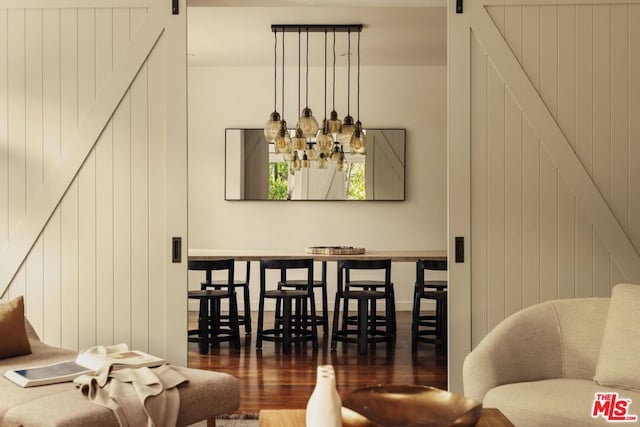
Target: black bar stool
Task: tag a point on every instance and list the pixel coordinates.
(367, 331)
(287, 331)
(244, 318)
(285, 283)
(210, 324)
(429, 328)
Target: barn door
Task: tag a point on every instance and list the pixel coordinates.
(544, 124)
(93, 170)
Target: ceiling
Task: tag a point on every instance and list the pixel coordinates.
(408, 34)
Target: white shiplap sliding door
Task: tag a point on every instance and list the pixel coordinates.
(544, 128)
(93, 170)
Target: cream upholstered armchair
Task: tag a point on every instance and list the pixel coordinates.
(540, 365)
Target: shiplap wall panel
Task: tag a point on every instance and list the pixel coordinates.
(104, 186)
(567, 72)
(531, 215)
(479, 190)
(157, 161)
(33, 91)
(584, 85)
(87, 253)
(580, 59)
(51, 322)
(79, 270)
(34, 296)
(87, 185)
(69, 271)
(619, 197)
(584, 254)
(139, 205)
(4, 131)
(139, 212)
(121, 190)
(549, 57)
(69, 203)
(548, 227)
(495, 197)
(601, 120)
(513, 205)
(566, 241)
(16, 116)
(51, 89)
(97, 272)
(634, 125)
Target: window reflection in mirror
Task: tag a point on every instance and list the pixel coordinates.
(254, 172)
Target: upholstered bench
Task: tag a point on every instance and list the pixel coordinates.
(206, 395)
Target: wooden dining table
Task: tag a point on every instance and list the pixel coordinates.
(258, 254)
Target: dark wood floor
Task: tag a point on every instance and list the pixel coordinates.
(272, 380)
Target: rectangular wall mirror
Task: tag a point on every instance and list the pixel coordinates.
(254, 172)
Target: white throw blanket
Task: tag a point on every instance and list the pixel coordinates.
(137, 397)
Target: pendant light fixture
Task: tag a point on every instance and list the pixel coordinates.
(310, 144)
(359, 139)
(307, 122)
(335, 124)
(272, 127)
(347, 124)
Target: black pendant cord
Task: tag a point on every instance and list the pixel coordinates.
(275, 70)
(349, 74)
(325, 76)
(282, 75)
(334, 69)
(299, 36)
(358, 101)
(306, 85)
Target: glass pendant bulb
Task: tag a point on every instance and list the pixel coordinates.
(295, 163)
(308, 123)
(322, 161)
(282, 144)
(299, 141)
(324, 140)
(272, 127)
(305, 160)
(347, 130)
(335, 153)
(335, 124)
(358, 141)
(342, 162)
(311, 152)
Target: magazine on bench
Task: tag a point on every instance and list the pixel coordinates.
(88, 362)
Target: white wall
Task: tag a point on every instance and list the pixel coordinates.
(405, 97)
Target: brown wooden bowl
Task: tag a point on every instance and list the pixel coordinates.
(412, 406)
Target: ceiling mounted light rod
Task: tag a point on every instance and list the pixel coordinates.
(317, 28)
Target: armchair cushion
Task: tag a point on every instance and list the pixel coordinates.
(565, 402)
(618, 363)
(14, 340)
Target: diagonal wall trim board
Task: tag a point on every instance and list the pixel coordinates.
(43, 203)
(560, 150)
